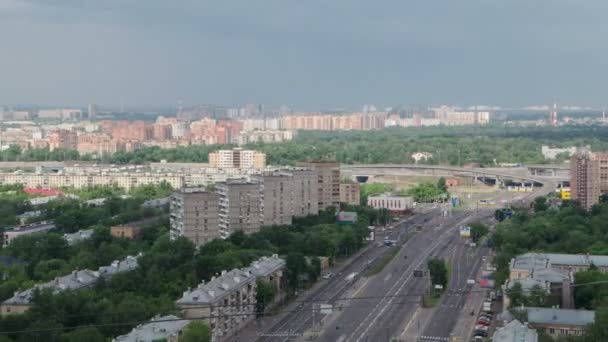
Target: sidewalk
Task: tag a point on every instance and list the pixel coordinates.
(466, 322)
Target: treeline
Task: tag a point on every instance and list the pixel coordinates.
(569, 229)
(449, 145)
(167, 268)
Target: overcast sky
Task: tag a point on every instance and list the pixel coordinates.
(305, 53)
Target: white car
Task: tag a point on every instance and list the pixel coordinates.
(327, 275)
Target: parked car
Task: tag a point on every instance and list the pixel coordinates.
(327, 275)
(481, 334)
(480, 327)
(483, 321)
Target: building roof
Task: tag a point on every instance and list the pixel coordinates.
(216, 288)
(515, 331)
(32, 227)
(75, 281)
(157, 329)
(79, 236)
(266, 265)
(142, 223)
(560, 316)
(532, 261)
(130, 263)
(156, 203)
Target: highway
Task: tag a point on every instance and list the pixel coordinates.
(387, 300)
(296, 323)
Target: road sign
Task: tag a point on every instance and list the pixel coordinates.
(326, 309)
(465, 232)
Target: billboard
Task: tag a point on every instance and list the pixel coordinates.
(465, 232)
(347, 217)
(566, 194)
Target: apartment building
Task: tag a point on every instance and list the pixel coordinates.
(237, 158)
(62, 139)
(277, 196)
(195, 215)
(396, 204)
(160, 328)
(328, 182)
(350, 193)
(240, 206)
(125, 180)
(21, 301)
(11, 233)
(228, 299)
(588, 176)
(305, 191)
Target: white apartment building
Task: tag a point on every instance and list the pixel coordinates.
(238, 158)
(390, 202)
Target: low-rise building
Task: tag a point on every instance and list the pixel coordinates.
(166, 328)
(78, 236)
(11, 233)
(132, 230)
(560, 322)
(515, 331)
(228, 300)
(20, 302)
(396, 204)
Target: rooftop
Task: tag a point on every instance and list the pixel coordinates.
(532, 261)
(158, 328)
(515, 331)
(266, 265)
(79, 236)
(560, 316)
(216, 288)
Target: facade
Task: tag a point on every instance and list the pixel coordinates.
(12, 233)
(62, 139)
(166, 328)
(588, 177)
(328, 182)
(232, 293)
(350, 193)
(195, 215)
(240, 206)
(515, 331)
(391, 202)
(277, 196)
(305, 191)
(132, 230)
(237, 158)
(560, 322)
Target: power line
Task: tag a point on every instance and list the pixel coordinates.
(297, 310)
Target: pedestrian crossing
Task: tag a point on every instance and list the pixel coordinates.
(432, 338)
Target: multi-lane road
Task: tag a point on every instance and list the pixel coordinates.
(378, 307)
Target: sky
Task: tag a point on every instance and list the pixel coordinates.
(310, 54)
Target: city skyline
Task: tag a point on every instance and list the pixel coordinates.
(309, 55)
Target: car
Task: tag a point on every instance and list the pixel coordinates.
(486, 316)
(483, 322)
(480, 327)
(481, 334)
(327, 275)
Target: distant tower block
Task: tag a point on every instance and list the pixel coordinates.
(553, 115)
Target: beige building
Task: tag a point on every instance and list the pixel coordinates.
(328, 182)
(230, 298)
(277, 196)
(305, 191)
(195, 215)
(123, 180)
(350, 193)
(588, 177)
(240, 206)
(237, 158)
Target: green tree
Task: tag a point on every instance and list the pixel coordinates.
(83, 334)
(438, 272)
(540, 204)
(295, 265)
(516, 295)
(196, 332)
(265, 293)
(478, 230)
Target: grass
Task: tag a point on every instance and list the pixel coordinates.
(379, 266)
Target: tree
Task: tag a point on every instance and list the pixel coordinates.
(265, 293)
(295, 265)
(196, 332)
(441, 185)
(438, 272)
(540, 204)
(516, 296)
(83, 334)
(478, 230)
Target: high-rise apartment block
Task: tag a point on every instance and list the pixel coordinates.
(589, 176)
(350, 193)
(328, 182)
(305, 191)
(240, 206)
(237, 158)
(62, 139)
(195, 215)
(277, 196)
